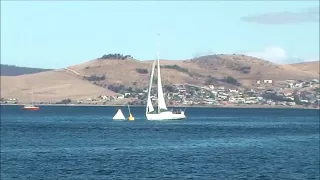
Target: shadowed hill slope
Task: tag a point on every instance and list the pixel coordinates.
(10, 70)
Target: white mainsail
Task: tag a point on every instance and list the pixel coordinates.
(119, 115)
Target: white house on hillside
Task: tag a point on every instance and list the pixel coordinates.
(267, 81)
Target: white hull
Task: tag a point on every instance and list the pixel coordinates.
(167, 115)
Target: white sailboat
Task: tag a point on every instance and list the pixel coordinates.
(119, 115)
(161, 113)
(30, 107)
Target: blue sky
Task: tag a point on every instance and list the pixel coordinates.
(55, 34)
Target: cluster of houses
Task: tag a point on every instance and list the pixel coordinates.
(291, 94)
(8, 101)
(186, 94)
(294, 93)
(211, 95)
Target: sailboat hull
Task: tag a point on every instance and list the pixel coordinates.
(30, 108)
(168, 115)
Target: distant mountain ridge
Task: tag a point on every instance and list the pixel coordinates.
(12, 70)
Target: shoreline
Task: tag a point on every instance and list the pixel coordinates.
(182, 106)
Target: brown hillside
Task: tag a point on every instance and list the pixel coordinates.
(48, 86)
(69, 82)
(235, 65)
(312, 66)
(196, 71)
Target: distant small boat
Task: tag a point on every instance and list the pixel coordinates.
(30, 107)
(119, 115)
(130, 117)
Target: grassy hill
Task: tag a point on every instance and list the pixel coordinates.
(49, 86)
(203, 70)
(312, 66)
(10, 70)
(95, 77)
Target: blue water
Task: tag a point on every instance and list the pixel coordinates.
(84, 143)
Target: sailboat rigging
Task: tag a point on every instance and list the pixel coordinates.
(162, 112)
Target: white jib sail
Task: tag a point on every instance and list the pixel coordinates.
(161, 101)
(119, 115)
